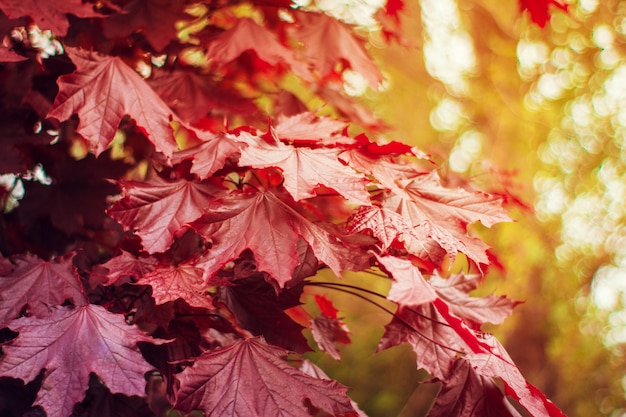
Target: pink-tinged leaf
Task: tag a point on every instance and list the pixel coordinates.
(309, 128)
(490, 309)
(317, 30)
(389, 227)
(385, 225)
(446, 213)
(69, 344)
(467, 394)
(409, 287)
(250, 378)
(498, 364)
(539, 10)
(49, 14)
(211, 154)
(247, 35)
(249, 221)
(435, 343)
(270, 228)
(157, 208)
(304, 169)
(40, 285)
(178, 281)
(127, 265)
(101, 91)
(156, 19)
(327, 331)
(384, 168)
(193, 95)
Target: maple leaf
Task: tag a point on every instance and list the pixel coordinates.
(263, 223)
(308, 128)
(101, 91)
(157, 208)
(247, 35)
(154, 18)
(304, 169)
(317, 30)
(193, 95)
(467, 394)
(261, 310)
(40, 285)
(434, 342)
(384, 168)
(389, 227)
(170, 282)
(539, 10)
(49, 14)
(498, 364)
(69, 344)
(454, 289)
(327, 331)
(409, 287)
(210, 155)
(445, 213)
(127, 265)
(250, 378)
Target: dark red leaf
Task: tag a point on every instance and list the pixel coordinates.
(250, 378)
(468, 394)
(49, 14)
(154, 18)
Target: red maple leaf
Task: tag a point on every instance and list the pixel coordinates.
(210, 155)
(170, 282)
(432, 339)
(247, 35)
(327, 331)
(409, 287)
(498, 364)
(126, 265)
(154, 18)
(69, 344)
(194, 95)
(317, 30)
(468, 394)
(327, 328)
(304, 169)
(260, 309)
(539, 10)
(308, 128)
(445, 213)
(49, 14)
(101, 91)
(454, 291)
(388, 227)
(157, 208)
(265, 224)
(40, 285)
(250, 378)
